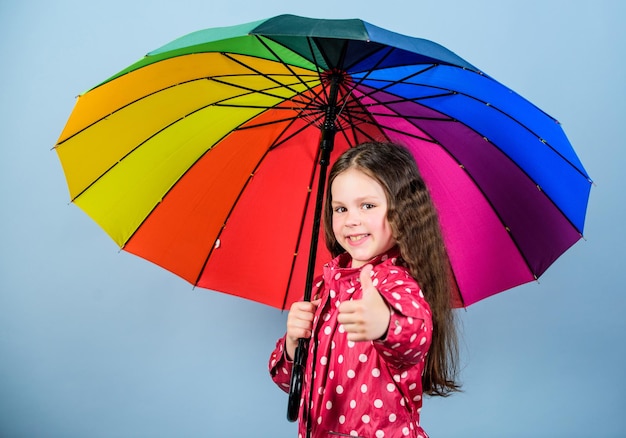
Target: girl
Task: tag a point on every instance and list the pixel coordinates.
(381, 323)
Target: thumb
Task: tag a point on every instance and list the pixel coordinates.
(367, 285)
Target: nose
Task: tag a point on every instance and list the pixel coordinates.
(352, 218)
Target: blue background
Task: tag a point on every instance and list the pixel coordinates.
(98, 343)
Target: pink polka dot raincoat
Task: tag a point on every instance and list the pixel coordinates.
(363, 389)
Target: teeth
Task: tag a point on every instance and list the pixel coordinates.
(357, 238)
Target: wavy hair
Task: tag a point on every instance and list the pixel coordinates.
(415, 226)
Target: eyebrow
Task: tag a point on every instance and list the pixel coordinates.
(368, 198)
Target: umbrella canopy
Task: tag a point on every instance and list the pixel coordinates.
(203, 157)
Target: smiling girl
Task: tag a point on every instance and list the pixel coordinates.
(381, 322)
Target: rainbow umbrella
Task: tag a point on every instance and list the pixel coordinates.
(208, 155)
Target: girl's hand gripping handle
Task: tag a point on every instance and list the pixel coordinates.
(299, 331)
(297, 377)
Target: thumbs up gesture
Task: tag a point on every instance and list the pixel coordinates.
(366, 319)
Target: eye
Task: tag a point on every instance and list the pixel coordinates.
(367, 206)
(339, 209)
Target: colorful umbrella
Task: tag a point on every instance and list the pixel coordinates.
(204, 156)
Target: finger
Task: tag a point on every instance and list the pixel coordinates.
(348, 306)
(356, 337)
(367, 284)
(299, 328)
(302, 308)
(299, 332)
(346, 318)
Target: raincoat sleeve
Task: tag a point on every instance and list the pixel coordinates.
(280, 367)
(409, 334)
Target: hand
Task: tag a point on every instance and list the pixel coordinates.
(299, 324)
(366, 319)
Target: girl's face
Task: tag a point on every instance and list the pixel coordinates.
(360, 220)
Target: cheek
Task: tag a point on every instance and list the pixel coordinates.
(336, 226)
(385, 227)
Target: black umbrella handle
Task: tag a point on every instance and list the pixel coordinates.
(296, 382)
(326, 146)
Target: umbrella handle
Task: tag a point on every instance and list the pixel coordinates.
(297, 376)
(326, 146)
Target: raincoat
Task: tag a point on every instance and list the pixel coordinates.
(367, 389)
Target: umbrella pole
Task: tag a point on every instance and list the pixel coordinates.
(326, 145)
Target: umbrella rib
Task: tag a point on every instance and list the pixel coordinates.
(286, 65)
(354, 119)
(307, 99)
(397, 81)
(311, 42)
(454, 92)
(344, 100)
(252, 91)
(414, 99)
(324, 88)
(365, 111)
(301, 105)
(230, 211)
(389, 128)
(272, 122)
(270, 148)
(368, 117)
(277, 121)
(261, 74)
(289, 137)
(316, 97)
(140, 144)
(452, 156)
(257, 72)
(117, 110)
(401, 100)
(302, 222)
(363, 107)
(126, 155)
(409, 117)
(355, 138)
(181, 177)
(342, 56)
(485, 197)
(389, 49)
(311, 95)
(217, 103)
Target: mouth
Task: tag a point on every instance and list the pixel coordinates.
(357, 237)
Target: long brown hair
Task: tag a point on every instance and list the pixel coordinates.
(415, 227)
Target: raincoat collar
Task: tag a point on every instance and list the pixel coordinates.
(343, 262)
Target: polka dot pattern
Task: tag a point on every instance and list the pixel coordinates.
(365, 389)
